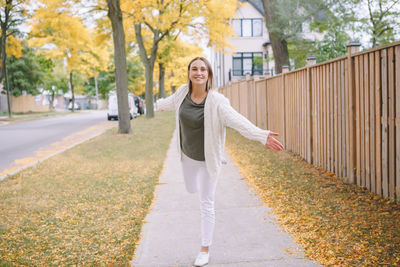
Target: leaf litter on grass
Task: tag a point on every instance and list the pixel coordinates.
(85, 206)
(337, 224)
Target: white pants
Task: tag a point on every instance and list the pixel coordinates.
(197, 179)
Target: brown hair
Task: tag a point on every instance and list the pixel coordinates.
(209, 84)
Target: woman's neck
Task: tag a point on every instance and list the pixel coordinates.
(198, 90)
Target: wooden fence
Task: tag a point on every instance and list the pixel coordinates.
(342, 115)
(22, 104)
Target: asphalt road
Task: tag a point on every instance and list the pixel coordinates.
(22, 139)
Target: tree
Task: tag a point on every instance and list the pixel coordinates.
(276, 36)
(286, 19)
(24, 73)
(376, 18)
(154, 20)
(105, 83)
(163, 57)
(11, 14)
(382, 19)
(136, 80)
(173, 58)
(106, 79)
(334, 43)
(54, 79)
(59, 34)
(115, 15)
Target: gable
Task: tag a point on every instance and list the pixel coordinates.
(247, 10)
(257, 4)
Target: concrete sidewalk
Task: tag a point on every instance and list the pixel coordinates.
(245, 233)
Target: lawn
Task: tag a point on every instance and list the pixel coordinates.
(337, 224)
(85, 206)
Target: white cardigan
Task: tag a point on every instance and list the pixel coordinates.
(218, 114)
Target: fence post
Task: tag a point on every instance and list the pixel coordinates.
(352, 48)
(252, 108)
(311, 60)
(285, 69)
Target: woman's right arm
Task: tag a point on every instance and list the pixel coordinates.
(169, 102)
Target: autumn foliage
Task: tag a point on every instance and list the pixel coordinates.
(337, 224)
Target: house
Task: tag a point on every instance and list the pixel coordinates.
(252, 51)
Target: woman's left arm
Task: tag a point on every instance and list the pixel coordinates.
(233, 119)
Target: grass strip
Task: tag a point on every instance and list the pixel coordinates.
(34, 115)
(338, 224)
(85, 206)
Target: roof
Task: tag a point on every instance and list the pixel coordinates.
(257, 5)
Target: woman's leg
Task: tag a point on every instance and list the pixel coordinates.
(197, 179)
(207, 188)
(189, 169)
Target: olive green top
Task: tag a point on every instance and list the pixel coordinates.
(191, 125)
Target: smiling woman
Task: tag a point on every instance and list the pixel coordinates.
(202, 114)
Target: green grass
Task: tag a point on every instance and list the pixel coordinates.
(338, 224)
(85, 206)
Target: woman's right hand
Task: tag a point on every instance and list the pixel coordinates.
(272, 143)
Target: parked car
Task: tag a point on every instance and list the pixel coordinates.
(113, 106)
(76, 106)
(139, 104)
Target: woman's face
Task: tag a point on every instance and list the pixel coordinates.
(198, 73)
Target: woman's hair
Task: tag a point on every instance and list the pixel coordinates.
(210, 80)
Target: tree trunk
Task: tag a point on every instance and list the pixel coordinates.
(3, 52)
(9, 102)
(97, 89)
(148, 66)
(3, 70)
(173, 87)
(51, 102)
(72, 92)
(278, 43)
(4, 27)
(121, 77)
(149, 91)
(161, 80)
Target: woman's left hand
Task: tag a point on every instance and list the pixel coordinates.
(272, 143)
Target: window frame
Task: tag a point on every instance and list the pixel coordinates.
(252, 26)
(242, 56)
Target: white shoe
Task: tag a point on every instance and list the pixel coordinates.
(202, 259)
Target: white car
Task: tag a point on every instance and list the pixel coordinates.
(76, 106)
(113, 106)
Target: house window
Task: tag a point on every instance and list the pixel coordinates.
(257, 27)
(247, 63)
(237, 27)
(247, 27)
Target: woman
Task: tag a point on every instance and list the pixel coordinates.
(202, 114)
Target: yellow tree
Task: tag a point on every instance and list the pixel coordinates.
(172, 62)
(58, 33)
(154, 20)
(11, 14)
(96, 57)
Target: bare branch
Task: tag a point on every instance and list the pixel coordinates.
(371, 17)
(387, 10)
(139, 39)
(150, 27)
